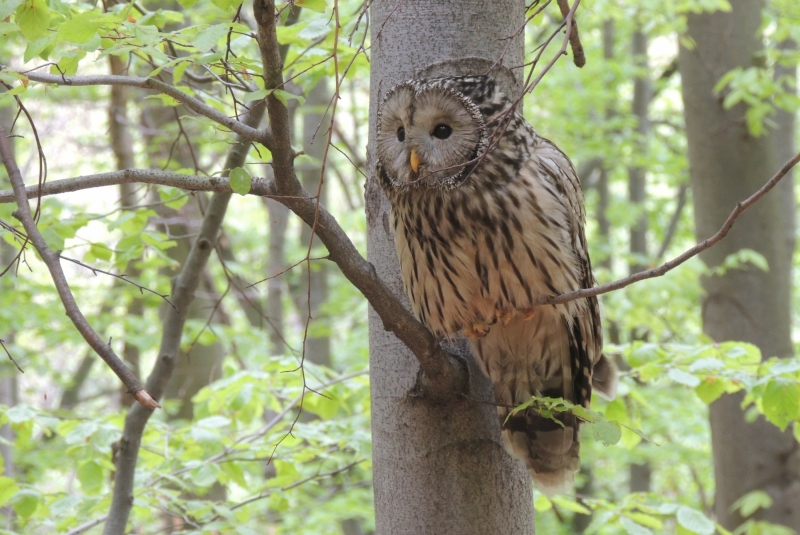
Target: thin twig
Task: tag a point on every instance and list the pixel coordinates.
(122, 277)
(51, 260)
(674, 220)
(3, 344)
(251, 134)
(689, 253)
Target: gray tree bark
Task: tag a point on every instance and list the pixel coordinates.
(437, 468)
(726, 165)
(314, 284)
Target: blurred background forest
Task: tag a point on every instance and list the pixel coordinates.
(276, 327)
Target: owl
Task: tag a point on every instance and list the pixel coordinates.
(488, 219)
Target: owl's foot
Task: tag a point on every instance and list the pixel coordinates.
(504, 317)
(477, 330)
(528, 314)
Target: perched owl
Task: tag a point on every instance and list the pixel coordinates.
(488, 218)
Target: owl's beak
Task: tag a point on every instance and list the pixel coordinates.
(415, 161)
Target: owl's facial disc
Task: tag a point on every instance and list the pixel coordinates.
(429, 137)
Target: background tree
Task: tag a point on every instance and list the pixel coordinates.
(728, 160)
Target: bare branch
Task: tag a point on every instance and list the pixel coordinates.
(360, 272)
(121, 276)
(251, 134)
(689, 253)
(673, 222)
(578, 56)
(51, 260)
(444, 374)
(3, 345)
(182, 295)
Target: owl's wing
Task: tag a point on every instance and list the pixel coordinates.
(554, 351)
(591, 367)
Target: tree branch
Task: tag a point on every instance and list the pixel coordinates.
(689, 253)
(51, 260)
(247, 132)
(184, 288)
(673, 222)
(578, 55)
(443, 373)
(443, 370)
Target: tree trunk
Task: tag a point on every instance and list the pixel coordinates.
(726, 165)
(437, 468)
(314, 284)
(640, 473)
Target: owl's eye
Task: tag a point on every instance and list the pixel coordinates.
(401, 134)
(442, 131)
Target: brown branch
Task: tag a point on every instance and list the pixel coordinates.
(444, 375)
(578, 55)
(689, 253)
(183, 292)
(673, 222)
(51, 260)
(362, 274)
(3, 345)
(196, 105)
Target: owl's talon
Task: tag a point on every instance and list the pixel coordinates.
(528, 314)
(504, 317)
(476, 331)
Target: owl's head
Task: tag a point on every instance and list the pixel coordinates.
(432, 133)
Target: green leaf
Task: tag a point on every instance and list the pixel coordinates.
(632, 528)
(710, 389)
(542, 503)
(25, 502)
(208, 38)
(682, 377)
(323, 406)
(255, 95)
(314, 5)
(285, 96)
(37, 47)
(33, 17)
(571, 505)
(240, 180)
(606, 432)
(90, 474)
(752, 502)
(781, 402)
(101, 251)
(7, 489)
(226, 5)
(8, 7)
(206, 475)
(80, 28)
(694, 521)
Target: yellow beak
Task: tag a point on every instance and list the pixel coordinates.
(415, 161)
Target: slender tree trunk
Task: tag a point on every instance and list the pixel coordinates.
(726, 165)
(637, 179)
(640, 473)
(437, 468)
(122, 145)
(314, 285)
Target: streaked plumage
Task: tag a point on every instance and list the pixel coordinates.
(491, 221)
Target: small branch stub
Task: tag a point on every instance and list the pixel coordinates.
(146, 400)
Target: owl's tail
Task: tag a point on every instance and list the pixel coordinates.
(549, 447)
(553, 364)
